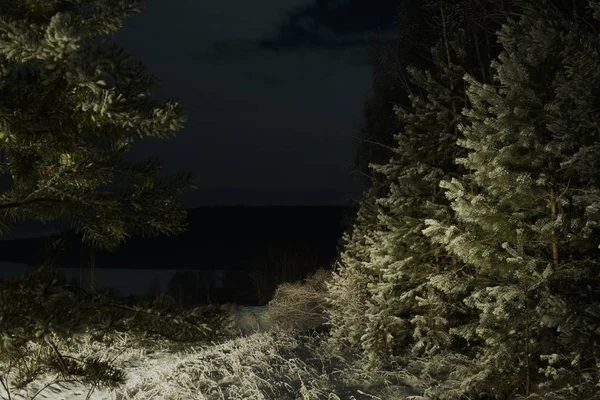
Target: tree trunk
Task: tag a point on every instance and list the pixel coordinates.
(92, 270)
(554, 212)
(481, 64)
(526, 347)
(446, 43)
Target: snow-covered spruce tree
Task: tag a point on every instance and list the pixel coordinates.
(416, 296)
(528, 210)
(419, 296)
(71, 106)
(405, 257)
(347, 292)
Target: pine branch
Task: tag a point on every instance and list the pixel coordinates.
(4, 385)
(18, 204)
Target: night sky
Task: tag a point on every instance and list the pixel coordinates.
(274, 92)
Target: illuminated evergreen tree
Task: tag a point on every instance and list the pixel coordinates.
(71, 107)
(424, 155)
(416, 297)
(348, 292)
(528, 209)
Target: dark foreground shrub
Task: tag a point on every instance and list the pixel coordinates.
(35, 311)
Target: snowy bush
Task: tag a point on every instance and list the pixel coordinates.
(301, 305)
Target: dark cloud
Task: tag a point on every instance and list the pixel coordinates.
(333, 24)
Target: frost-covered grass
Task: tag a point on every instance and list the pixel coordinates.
(266, 365)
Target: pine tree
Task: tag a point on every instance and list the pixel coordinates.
(347, 292)
(71, 106)
(526, 210)
(417, 298)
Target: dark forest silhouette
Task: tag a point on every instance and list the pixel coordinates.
(248, 250)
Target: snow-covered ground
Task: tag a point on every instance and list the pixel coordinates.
(262, 364)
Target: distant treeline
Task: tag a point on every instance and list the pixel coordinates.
(218, 238)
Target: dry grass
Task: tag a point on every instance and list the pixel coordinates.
(300, 306)
(265, 365)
